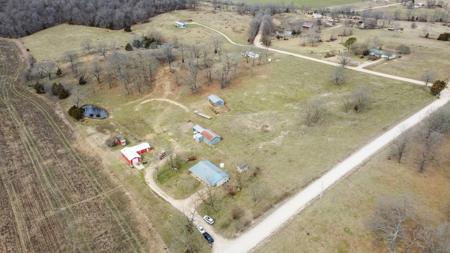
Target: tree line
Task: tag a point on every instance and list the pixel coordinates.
(23, 17)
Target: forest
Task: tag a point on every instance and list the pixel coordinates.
(23, 17)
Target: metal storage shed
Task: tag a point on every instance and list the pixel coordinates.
(216, 100)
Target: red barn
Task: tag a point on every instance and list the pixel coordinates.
(133, 154)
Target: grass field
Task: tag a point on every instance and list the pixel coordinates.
(426, 54)
(66, 37)
(338, 221)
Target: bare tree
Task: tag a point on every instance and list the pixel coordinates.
(193, 74)
(71, 57)
(428, 77)
(184, 233)
(338, 75)
(388, 220)
(398, 148)
(87, 45)
(430, 136)
(314, 112)
(358, 101)
(312, 37)
(217, 44)
(102, 49)
(97, 71)
(344, 59)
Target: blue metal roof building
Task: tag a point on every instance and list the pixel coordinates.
(209, 173)
(216, 100)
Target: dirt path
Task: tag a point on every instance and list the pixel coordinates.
(378, 7)
(185, 108)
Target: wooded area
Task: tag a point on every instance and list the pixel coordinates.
(23, 17)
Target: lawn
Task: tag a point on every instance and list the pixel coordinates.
(177, 183)
(338, 221)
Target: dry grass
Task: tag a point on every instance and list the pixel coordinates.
(337, 221)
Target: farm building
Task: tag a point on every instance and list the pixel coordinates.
(180, 24)
(216, 100)
(133, 154)
(209, 173)
(308, 25)
(205, 135)
(381, 54)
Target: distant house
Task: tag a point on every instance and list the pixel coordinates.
(216, 100)
(180, 24)
(250, 54)
(205, 135)
(317, 15)
(308, 25)
(381, 54)
(133, 154)
(209, 173)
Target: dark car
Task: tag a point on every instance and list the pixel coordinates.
(208, 237)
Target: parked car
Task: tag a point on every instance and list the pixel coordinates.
(208, 237)
(201, 229)
(208, 219)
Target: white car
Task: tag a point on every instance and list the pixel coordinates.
(200, 229)
(208, 219)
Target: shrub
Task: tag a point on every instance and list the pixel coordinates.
(63, 94)
(59, 91)
(237, 213)
(403, 49)
(40, 89)
(358, 101)
(129, 47)
(314, 112)
(76, 112)
(59, 72)
(437, 87)
(82, 80)
(137, 43)
(444, 37)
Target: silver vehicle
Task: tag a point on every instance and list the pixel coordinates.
(208, 219)
(200, 229)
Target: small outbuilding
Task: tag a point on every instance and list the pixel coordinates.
(209, 173)
(216, 100)
(180, 24)
(202, 134)
(133, 154)
(250, 54)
